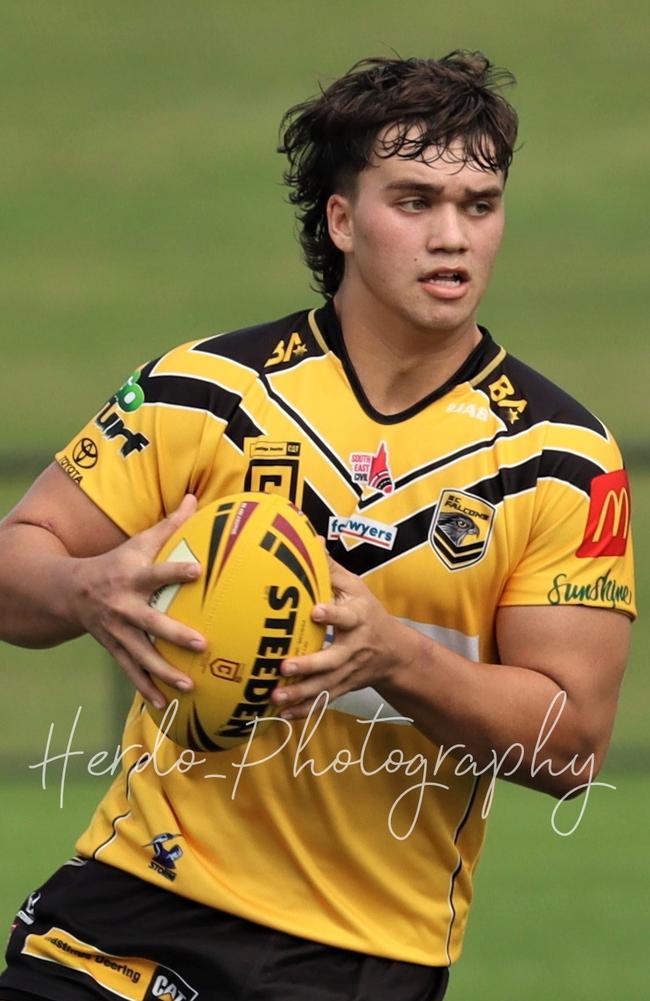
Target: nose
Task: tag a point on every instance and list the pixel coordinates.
(448, 231)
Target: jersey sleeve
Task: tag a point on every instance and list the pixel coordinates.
(153, 441)
(580, 547)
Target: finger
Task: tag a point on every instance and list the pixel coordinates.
(164, 627)
(150, 578)
(146, 658)
(139, 678)
(302, 695)
(344, 617)
(329, 659)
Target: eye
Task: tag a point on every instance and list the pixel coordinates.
(415, 204)
(480, 208)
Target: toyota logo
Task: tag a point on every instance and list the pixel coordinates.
(84, 454)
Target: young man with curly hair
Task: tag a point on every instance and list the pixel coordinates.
(478, 523)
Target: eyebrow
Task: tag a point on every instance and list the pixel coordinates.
(426, 188)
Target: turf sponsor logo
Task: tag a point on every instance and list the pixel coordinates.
(128, 399)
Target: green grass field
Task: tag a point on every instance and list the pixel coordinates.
(142, 206)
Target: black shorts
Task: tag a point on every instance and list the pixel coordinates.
(94, 932)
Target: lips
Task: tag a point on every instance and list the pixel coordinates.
(446, 283)
(456, 276)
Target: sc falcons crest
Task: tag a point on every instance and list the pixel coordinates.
(461, 529)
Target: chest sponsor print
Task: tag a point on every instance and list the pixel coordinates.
(274, 468)
(461, 529)
(372, 470)
(356, 528)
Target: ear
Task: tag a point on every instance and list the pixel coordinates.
(339, 222)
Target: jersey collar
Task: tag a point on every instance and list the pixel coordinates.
(481, 358)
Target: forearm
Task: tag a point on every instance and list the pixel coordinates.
(36, 584)
(512, 717)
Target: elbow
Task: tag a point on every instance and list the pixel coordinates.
(572, 774)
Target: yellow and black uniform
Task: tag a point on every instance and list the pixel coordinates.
(497, 489)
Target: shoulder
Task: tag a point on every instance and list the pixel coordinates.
(524, 398)
(266, 346)
(219, 370)
(545, 433)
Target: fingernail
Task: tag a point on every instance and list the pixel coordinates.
(184, 684)
(290, 668)
(280, 696)
(197, 644)
(286, 714)
(158, 703)
(318, 613)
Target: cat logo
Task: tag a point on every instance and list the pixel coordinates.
(273, 468)
(285, 351)
(170, 988)
(461, 529)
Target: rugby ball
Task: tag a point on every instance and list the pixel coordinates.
(263, 570)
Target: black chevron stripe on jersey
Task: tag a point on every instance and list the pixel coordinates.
(313, 434)
(573, 469)
(200, 394)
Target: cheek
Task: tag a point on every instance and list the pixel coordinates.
(380, 236)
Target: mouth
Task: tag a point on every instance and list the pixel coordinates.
(453, 277)
(446, 283)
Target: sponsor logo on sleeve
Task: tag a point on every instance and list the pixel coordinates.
(504, 394)
(461, 529)
(372, 470)
(358, 529)
(85, 453)
(129, 977)
(608, 521)
(285, 351)
(604, 590)
(128, 399)
(84, 456)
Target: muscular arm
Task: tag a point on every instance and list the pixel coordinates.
(483, 709)
(68, 569)
(52, 525)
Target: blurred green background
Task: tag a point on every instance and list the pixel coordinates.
(142, 206)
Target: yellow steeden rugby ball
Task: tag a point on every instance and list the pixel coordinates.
(263, 570)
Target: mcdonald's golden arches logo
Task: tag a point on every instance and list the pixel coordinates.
(608, 522)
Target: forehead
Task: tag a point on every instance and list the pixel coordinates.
(437, 165)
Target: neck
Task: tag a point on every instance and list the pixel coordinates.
(397, 364)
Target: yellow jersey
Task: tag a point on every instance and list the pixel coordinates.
(352, 828)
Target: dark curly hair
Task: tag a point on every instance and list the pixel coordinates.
(331, 138)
